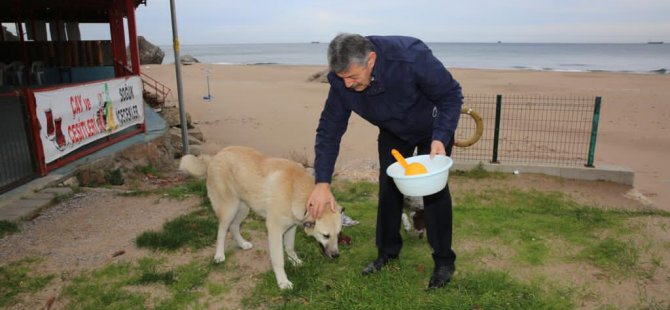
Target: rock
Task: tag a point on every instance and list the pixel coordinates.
(321, 76)
(149, 53)
(188, 60)
(171, 116)
(196, 133)
(195, 150)
(158, 154)
(71, 182)
(90, 177)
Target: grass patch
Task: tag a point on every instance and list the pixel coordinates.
(545, 227)
(531, 228)
(195, 230)
(192, 187)
(612, 254)
(16, 278)
(537, 228)
(112, 286)
(8, 228)
(150, 273)
(337, 284)
(148, 170)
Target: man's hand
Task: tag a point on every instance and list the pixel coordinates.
(321, 197)
(437, 148)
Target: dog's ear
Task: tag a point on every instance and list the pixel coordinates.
(308, 224)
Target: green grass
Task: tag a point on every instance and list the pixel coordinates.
(148, 170)
(534, 224)
(16, 278)
(192, 187)
(520, 229)
(8, 228)
(537, 228)
(115, 286)
(337, 284)
(195, 230)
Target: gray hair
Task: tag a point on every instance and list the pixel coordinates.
(348, 48)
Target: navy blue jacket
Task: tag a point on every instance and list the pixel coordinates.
(412, 95)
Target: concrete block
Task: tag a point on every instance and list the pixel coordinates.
(58, 191)
(23, 208)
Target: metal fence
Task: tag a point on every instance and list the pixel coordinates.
(543, 130)
(16, 159)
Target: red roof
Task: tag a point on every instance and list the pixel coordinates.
(83, 11)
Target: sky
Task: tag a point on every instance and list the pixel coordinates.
(298, 21)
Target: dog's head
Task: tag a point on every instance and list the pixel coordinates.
(325, 230)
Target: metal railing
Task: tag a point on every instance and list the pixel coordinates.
(155, 93)
(520, 129)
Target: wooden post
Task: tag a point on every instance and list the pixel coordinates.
(132, 37)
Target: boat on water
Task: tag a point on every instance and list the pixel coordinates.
(655, 42)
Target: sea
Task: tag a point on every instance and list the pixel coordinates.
(649, 58)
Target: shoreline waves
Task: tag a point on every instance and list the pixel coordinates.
(563, 57)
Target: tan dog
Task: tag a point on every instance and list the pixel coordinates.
(240, 178)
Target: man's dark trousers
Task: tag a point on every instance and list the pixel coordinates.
(437, 207)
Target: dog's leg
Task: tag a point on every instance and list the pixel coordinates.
(220, 255)
(405, 222)
(275, 234)
(289, 242)
(242, 213)
(225, 210)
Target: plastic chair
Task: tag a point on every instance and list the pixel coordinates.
(37, 71)
(15, 72)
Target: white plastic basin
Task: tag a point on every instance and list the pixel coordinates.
(422, 184)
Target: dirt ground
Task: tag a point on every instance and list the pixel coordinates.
(97, 227)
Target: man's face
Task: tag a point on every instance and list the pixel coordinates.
(357, 77)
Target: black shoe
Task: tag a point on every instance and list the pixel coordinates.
(441, 276)
(375, 266)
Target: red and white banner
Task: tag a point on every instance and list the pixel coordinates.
(72, 117)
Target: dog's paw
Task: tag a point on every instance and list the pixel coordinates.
(245, 245)
(286, 285)
(219, 258)
(295, 261)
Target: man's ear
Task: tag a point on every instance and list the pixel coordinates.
(308, 224)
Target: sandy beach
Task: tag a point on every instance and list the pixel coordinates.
(274, 109)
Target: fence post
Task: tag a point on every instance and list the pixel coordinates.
(594, 132)
(496, 131)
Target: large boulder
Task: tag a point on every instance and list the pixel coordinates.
(149, 53)
(188, 60)
(320, 77)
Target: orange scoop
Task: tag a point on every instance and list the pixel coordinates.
(410, 169)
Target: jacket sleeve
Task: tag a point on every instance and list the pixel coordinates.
(332, 125)
(441, 88)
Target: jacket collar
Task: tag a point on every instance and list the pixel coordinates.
(376, 83)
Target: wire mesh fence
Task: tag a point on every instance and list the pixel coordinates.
(530, 130)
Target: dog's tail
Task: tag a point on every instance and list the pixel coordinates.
(195, 166)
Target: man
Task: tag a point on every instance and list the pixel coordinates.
(398, 85)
